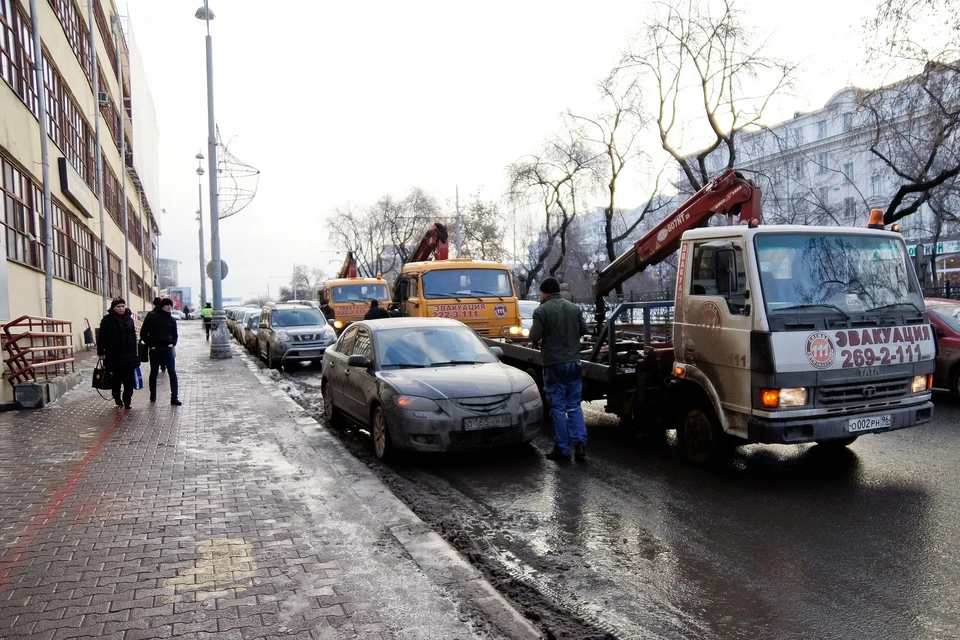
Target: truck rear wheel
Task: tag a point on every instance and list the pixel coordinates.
(701, 439)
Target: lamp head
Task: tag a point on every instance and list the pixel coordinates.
(200, 171)
(204, 13)
(199, 155)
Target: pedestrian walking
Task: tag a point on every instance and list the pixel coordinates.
(207, 315)
(159, 333)
(117, 347)
(328, 312)
(376, 311)
(157, 303)
(556, 330)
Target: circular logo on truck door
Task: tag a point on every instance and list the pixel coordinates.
(820, 351)
(500, 310)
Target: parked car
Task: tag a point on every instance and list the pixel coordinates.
(292, 333)
(240, 322)
(526, 315)
(945, 318)
(427, 384)
(194, 314)
(177, 314)
(250, 333)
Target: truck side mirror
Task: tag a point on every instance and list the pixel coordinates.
(725, 271)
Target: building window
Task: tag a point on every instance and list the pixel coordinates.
(67, 128)
(849, 208)
(798, 136)
(114, 276)
(847, 122)
(798, 169)
(84, 257)
(822, 160)
(136, 283)
(876, 185)
(822, 129)
(112, 196)
(133, 227)
(824, 195)
(61, 243)
(848, 171)
(22, 204)
(16, 54)
(75, 29)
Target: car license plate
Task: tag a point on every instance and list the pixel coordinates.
(485, 422)
(309, 354)
(870, 422)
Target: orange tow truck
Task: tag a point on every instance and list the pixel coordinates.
(350, 295)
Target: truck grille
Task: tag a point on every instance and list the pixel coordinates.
(480, 327)
(483, 437)
(863, 393)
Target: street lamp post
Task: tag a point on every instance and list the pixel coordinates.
(219, 341)
(203, 260)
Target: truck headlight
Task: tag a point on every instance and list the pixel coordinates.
(788, 397)
(337, 324)
(530, 394)
(525, 332)
(919, 384)
(511, 331)
(416, 403)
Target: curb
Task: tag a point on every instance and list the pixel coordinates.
(434, 556)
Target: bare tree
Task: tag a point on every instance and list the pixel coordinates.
(555, 180)
(360, 231)
(705, 65)
(482, 230)
(914, 126)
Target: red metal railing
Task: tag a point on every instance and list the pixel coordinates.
(33, 344)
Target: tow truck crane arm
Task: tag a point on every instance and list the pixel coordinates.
(349, 267)
(729, 193)
(434, 243)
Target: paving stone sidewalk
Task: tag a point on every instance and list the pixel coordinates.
(235, 516)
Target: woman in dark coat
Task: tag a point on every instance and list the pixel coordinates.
(117, 347)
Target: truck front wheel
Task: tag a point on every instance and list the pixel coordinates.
(701, 439)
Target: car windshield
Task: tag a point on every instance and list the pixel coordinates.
(297, 317)
(949, 313)
(430, 347)
(527, 307)
(359, 293)
(843, 272)
(467, 283)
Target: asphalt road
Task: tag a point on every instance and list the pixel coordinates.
(782, 542)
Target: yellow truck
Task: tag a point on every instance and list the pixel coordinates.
(350, 295)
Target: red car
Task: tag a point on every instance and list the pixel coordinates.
(945, 318)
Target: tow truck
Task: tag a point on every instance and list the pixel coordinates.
(478, 293)
(776, 334)
(350, 295)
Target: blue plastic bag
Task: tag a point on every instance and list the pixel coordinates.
(137, 379)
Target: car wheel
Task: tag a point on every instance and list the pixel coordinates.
(955, 383)
(332, 416)
(700, 437)
(380, 432)
(837, 443)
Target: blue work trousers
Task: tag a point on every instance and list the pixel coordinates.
(163, 356)
(562, 384)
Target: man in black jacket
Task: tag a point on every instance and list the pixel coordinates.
(376, 311)
(159, 333)
(117, 347)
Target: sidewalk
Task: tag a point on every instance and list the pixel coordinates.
(235, 516)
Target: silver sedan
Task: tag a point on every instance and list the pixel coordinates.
(427, 384)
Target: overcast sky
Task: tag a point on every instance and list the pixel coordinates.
(339, 103)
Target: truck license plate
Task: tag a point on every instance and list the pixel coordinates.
(484, 422)
(870, 422)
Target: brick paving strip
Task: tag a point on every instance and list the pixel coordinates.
(235, 516)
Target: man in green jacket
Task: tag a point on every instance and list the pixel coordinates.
(556, 330)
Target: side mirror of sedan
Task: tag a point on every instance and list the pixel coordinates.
(940, 332)
(497, 351)
(359, 361)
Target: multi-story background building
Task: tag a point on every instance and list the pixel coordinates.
(91, 262)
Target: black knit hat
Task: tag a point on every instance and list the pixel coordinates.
(165, 302)
(550, 285)
(116, 301)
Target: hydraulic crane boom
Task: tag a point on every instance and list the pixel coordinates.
(434, 243)
(728, 193)
(349, 267)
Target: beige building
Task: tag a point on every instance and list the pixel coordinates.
(89, 266)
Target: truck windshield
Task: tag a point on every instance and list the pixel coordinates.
(838, 273)
(467, 283)
(359, 293)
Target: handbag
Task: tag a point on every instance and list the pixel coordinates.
(137, 379)
(102, 378)
(143, 352)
